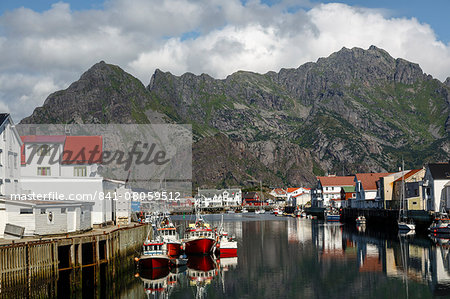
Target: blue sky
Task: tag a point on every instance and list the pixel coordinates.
(48, 45)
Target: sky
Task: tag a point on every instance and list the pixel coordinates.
(47, 45)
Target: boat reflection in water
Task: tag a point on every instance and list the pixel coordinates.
(201, 271)
(199, 274)
(159, 283)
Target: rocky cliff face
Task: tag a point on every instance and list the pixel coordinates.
(356, 110)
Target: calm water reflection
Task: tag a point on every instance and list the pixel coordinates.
(280, 257)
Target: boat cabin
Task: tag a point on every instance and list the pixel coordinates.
(153, 248)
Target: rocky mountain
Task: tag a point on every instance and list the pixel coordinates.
(354, 111)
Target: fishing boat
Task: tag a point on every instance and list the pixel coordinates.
(154, 254)
(168, 232)
(199, 238)
(440, 225)
(276, 211)
(404, 224)
(360, 220)
(227, 246)
(244, 210)
(332, 216)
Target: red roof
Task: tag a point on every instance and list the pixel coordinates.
(279, 191)
(409, 174)
(77, 149)
(369, 180)
(290, 190)
(336, 180)
(83, 150)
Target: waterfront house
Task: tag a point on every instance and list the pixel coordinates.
(366, 190)
(279, 194)
(328, 190)
(347, 194)
(65, 167)
(413, 190)
(251, 199)
(10, 144)
(219, 198)
(298, 196)
(39, 217)
(385, 189)
(437, 175)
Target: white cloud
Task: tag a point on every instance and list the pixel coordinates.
(43, 52)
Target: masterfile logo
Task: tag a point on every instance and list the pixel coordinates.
(152, 157)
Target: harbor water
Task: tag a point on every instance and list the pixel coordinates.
(278, 257)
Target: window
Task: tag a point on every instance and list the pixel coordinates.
(63, 210)
(26, 211)
(45, 171)
(43, 211)
(79, 171)
(44, 150)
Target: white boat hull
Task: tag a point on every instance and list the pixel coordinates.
(406, 226)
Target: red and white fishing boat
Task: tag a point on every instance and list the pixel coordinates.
(199, 238)
(226, 246)
(154, 255)
(168, 232)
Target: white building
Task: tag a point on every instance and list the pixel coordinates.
(10, 144)
(219, 198)
(328, 190)
(437, 175)
(279, 194)
(122, 197)
(65, 168)
(33, 217)
(298, 196)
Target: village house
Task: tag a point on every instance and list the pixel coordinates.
(66, 168)
(38, 217)
(219, 198)
(347, 195)
(279, 194)
(413, 190)
(385, 189)
(366, 190)
(10, 144)
(328, 190)
(437, 175)
(252, 199)
(298, 196)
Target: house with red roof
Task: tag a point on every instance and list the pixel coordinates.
(60, 167)
(367, 190)
(298, 196)
(328, 190)
(279, 194)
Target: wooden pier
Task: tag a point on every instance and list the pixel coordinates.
(24, 262)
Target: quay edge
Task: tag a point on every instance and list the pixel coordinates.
(422, 219)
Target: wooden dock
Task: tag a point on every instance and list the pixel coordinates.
(24, 262)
